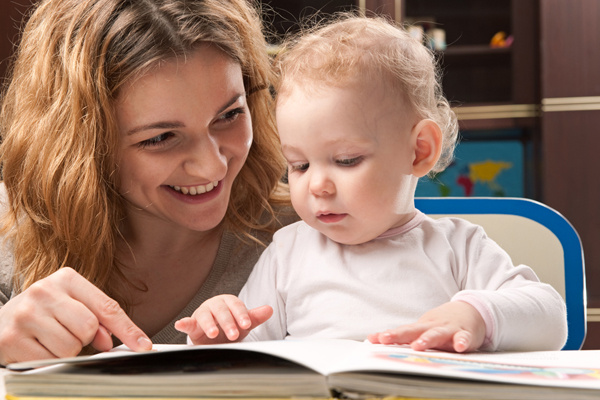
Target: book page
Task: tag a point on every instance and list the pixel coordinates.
(577, 369)
(573, 369)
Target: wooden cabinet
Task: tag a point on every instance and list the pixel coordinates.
(11, 15)
(474, 71)
(285, 16)
(570, 120)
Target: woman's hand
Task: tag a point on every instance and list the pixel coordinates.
(59, 315)
(454, 326)
(227, 312)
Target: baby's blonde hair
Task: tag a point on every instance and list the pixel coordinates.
(356, 47)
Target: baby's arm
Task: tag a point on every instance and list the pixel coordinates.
(453, 326)
(515, 310)
(222, 319)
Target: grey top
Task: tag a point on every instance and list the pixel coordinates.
(234, 262)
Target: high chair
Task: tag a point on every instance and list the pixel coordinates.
(533, 234)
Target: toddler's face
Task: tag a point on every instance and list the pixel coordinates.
(350, 155)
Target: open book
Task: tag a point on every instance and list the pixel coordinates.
(311, 368)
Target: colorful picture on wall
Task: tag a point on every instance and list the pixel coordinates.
(480, 168)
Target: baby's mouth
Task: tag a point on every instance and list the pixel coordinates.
(194, 190)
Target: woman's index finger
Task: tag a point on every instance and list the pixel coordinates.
(107, 310)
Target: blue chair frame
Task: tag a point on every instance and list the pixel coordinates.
(574, 277)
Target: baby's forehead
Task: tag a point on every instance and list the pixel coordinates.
(341, 114)
(359, 89)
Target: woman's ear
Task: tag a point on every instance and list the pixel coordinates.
(428, 146)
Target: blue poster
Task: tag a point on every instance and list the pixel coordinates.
(480, 168)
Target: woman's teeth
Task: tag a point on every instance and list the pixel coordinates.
(194, 190)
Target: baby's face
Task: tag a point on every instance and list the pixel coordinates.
(350, 153)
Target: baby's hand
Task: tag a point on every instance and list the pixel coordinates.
(454, 326)
(225, 311)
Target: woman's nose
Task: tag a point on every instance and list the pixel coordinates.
(205, 159)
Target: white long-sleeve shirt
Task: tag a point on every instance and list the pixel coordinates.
(322, 289)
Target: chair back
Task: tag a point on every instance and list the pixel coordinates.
(533, 234)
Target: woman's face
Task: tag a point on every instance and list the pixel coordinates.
(185, 132)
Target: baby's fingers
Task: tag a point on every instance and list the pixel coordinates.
(440, 338)
(403, 335)
(217, 320)
(230, 314)
(189, 326)
(463, 341)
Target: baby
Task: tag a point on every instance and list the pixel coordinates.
(361, 117)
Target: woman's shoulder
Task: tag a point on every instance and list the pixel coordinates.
(280, 217)
(285, 215)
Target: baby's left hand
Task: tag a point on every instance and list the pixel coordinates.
(453, 326)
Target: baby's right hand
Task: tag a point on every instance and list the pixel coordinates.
(227, 312)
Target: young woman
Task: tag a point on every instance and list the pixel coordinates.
(141, 170)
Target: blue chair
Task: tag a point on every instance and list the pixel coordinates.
(533, 234)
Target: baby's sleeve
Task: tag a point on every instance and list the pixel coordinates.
(521, 313)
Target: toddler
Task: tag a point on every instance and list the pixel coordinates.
(361, 117)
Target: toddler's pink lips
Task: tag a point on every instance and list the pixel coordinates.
(331, 218)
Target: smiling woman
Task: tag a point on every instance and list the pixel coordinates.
(180, 151)
(141, 170)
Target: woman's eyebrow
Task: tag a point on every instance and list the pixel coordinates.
(232, 101)
(156, 125)
(177, 124)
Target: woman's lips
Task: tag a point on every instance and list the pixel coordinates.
(197, 195)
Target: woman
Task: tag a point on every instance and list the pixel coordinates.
(141, 170)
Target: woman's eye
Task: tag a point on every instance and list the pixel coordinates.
(232, 115)
(156, 140)
(349, 162)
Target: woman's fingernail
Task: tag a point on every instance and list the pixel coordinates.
(145, 343)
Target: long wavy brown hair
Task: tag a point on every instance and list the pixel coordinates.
(59, 134)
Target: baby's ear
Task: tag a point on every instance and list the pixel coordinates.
(427, 137)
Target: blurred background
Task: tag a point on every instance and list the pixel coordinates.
(524, 79)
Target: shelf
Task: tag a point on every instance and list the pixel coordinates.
(474, 50)
(497, 111)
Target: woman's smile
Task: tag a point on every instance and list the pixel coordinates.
(194, 190)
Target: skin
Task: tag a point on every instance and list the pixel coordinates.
(353, 164)
(186, 124)
(58, 315)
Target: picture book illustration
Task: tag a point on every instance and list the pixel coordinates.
(512, 371)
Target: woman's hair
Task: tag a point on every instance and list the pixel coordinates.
(355, 48)
(59, 132)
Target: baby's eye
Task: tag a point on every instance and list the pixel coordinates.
(349, 162)
(298, 167)
(156, 140)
